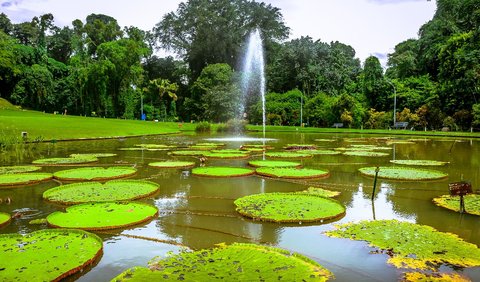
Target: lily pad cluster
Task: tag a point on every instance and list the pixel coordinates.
(4, 219)
(94, 173)
(288, 207)
(236, 262)
(102, 215)
(23, 178)
(403, 173)
(172, 164)
(412, 245)
(47, 255)
(114, 190)
(18, 169)
(471, 202)
(272, 163)
(218, 171)
(288, 172)
(419, 162)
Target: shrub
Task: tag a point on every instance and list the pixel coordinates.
(377, 120)
(203, 126)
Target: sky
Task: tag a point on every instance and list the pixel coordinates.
(371, 27)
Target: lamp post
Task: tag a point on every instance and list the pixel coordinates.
(301, 109)
(141, 100)
(394, 102)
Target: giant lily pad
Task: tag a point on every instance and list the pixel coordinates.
(158, 147)
(471, 202)
(115, 190)
(294, 147)
(288, 207)
(403, 173)
(95, 155)
(238, 155)
(319, 152)
(218, 171)
(365, 154)
(66, 161)
(4, 218)
(287, 172)
(18, 169)
(94, 173)
(172, 164)
(23, 178)
(47, 255)
(419, 162)
(288, 155)
(270, 163)
(412, 245)
(237, 262)
(102, 215)
(321, 192)
(187, 153)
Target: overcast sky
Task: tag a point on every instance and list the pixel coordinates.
(372, 27)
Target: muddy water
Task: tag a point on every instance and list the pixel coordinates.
(199, 212)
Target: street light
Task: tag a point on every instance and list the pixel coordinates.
(394, 102)
(141, 100)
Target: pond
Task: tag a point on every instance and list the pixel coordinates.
(198, 212)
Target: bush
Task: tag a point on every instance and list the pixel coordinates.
(203, 126)
(377, 120)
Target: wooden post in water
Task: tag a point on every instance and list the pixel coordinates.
(375, 182)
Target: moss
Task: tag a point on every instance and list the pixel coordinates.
(437, 277)
(288, 155)
(412, 245)
(366, 154)
(288, 207)
(103, 215)
(270, 163)
(419, 162)
(66, 161)
(18, 169)
(95, 155)
(222, 171)
(187, 153)
(321, 192)
(283, 172)
(4, 219)
(239, 155)
(115, 190)
(47, 255)
(23, 178)
(237, 262)
(403, 173)
(172, 164)
(94, 173)
(471, 202)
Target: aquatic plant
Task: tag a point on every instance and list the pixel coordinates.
(23, 178)
(18, 169)
(187, 153)
(256, 146)
(156, 146)
(288, 155)
(94, 173)
(96, 155)
(403, 173)
(114, 190)
(369, 147)
(319, 152)
(102, 215)
(236, 262)
(288, 207)
(366, 154)
(66, 161)
(324, 140)
(172, 164)
(47, 255)
(287, 172)
(400, 142)
(270, 163)
(4, 219)
(419, 162)
(411, 245)
(294, 147)
(321, 192)
(218, 171)
(436, 277)
(471, 202)
(238, 155)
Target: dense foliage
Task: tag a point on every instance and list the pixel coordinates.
(96, 68)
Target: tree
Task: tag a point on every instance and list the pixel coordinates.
(100, 29)
(374, 83)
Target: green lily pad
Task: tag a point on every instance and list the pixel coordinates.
(403, 173)
(23, 178)
(156, 146)
(419, 162)
(218, 171)
(172, 164)
(300, 147)
(4, 219)
(400, 142)
(187, 153)
(66, 161)
(321, 192)
(319, 152)
(288, 155)
(47, 255)
(238, 155)
(412, 245)
(366, 154)
(288, 207)
(236, 262)
(94, 173)
(256, 146)
(18, 169)
(95, 155)
(287, 172)
(102, 215)
(115, 190)
(324, 140)
(229, 151)
(270, 163)
(369, 147)
(471, 202)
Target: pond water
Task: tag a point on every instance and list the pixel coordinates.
(198, 212)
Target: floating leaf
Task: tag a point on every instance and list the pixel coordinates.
(18, 169)
(365, 154)
(66, 161)
(404, 173)
(288, 155)
(237, 262)
(38, 221)
(115, 190)
(47, 255)
(95, 155)
(419, 162)
(94, 173)
(237, 155)
(471, 202)
(287, 172)
(300, 147)
(217, 171)
(23, 178)
(172, 164)
(412, 245)
(288, 207)
(4, 219)
(187, 153)
(321, 192)
(270, 163)
(103, 215)
(319, 152)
